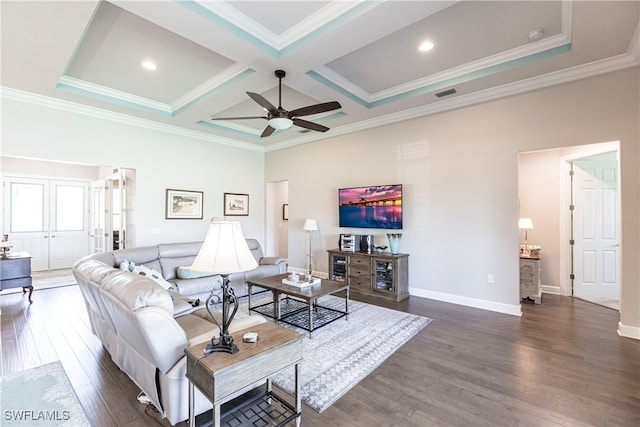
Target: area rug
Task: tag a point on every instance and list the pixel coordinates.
(40, 396)
(341, 354)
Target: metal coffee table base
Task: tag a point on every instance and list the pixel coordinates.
(300, 314)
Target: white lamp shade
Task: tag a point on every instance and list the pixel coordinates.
(280, 123)
(224, 250)
(310, 225)
(525, 224)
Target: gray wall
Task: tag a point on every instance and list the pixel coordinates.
(459, 170)
(460, 176)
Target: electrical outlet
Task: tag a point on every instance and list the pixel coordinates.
(490, 278)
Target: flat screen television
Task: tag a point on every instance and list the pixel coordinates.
(378, 206)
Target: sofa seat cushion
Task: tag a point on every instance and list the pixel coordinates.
(237, 324)
(197, 328)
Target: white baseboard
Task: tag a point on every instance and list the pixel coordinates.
(628, 331)
(499, 307)
(548, 289)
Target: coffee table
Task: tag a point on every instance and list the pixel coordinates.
(300, 306)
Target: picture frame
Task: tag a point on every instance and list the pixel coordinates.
(285, 212)
(236, 204)
(183, 204)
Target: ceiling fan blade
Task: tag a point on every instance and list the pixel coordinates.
(267, 131)
(315, 109)
(239, 118)
(262, 101)
(310, 125)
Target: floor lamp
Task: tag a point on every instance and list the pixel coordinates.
(310, 225)
(224, 251)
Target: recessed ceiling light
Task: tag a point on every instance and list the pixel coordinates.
(149, 65)
(425, 46)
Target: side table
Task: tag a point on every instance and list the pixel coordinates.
(15, 272)
(530, 290)
(223, 376)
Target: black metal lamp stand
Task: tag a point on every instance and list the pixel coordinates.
(225, 342)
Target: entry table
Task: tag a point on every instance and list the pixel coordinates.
(224, 376)
(15, 272)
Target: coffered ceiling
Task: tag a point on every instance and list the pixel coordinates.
(87, 56)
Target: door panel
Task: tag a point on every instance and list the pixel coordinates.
(69, 222)
(596, 226)
(47, 219)
(28, 221)
(98, 234)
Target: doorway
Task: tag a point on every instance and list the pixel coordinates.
(48, 219)
(277, 219)
(594, 224)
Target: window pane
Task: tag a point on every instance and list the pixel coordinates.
(69, 208)
(27, 213)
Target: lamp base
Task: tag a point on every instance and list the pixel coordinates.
(225, 343)
(220, 348)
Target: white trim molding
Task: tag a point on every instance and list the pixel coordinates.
(499, 307)
(628, 331)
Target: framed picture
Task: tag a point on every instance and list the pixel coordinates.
(236, 204)
(183, 204)
(285, 212)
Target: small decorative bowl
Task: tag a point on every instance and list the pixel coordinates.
(380, 249)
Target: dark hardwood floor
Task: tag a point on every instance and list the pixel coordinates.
(560, 364)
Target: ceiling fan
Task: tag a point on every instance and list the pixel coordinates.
(279, 118)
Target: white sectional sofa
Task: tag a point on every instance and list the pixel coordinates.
(146, 327)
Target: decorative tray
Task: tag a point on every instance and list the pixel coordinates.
(302, 283)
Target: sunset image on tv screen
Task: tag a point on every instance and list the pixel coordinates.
(371, 207)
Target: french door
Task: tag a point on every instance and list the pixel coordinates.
(48, 219)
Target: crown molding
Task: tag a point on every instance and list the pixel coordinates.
(72, 107)
(565, 76)
(552, 79)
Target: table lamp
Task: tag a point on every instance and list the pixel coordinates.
(224, 251)
(309, 226)
(525, 224)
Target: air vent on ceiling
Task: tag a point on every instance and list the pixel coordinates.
(446, 92)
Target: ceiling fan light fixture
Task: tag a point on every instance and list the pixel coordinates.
(280, 123)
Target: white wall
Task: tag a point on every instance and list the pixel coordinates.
(161, 160)
(460, 176)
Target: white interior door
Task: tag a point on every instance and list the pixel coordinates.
(27, 221)
(48, 219)
(98, 224)
(596, 226)
(69, 239)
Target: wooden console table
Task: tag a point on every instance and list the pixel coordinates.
(223, 376)
(15, 272)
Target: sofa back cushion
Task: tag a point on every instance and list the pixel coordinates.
(174, 255)
(136, 292)
(147, 256)
(255, 248)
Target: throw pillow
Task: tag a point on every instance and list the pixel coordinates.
(127, 266)
(187, 273)
(153, 275)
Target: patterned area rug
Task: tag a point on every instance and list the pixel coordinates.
(40, 396)
(342, 353)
